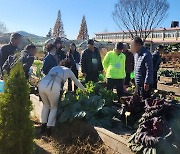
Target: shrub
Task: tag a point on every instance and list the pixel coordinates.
(16, 128)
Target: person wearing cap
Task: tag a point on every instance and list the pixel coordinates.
(59, 46)
(51, 60)
(10, 48)
(129, 63)
(156, 63)
(49, 90)
(114, 65)
(143, 68)
(91, 62)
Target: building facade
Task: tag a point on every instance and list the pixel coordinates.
(158, 36)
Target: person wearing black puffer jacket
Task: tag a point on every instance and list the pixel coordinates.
(91, 62)
(74, 59)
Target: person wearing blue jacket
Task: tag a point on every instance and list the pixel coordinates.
(143, 68)
(51, 60)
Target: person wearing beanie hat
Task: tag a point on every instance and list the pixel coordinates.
(9, 49)
(91, 62)
(114, 65)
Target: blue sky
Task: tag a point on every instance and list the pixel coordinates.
(37, 16)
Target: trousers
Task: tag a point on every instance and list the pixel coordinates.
(118, 83)
(50, 99)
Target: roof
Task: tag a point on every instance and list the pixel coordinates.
(156, 30)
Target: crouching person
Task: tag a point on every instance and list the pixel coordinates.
(49, 90)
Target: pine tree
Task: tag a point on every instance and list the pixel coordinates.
(49, 33)
(58, 27)
(83, 32)
(16, 128)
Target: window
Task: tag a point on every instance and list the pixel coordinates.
(170, 34)
(157, 34)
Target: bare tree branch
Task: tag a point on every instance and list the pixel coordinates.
(3, 28)
(140, 17)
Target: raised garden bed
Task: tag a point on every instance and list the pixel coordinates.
(116, 143)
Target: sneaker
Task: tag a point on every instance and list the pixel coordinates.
(49, 132)
(43, 129)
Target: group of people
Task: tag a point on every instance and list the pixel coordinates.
(59, 66)
(10, 56)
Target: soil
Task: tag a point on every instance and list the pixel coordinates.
(74, 137)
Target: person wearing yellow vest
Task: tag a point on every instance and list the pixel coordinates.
(114, 65)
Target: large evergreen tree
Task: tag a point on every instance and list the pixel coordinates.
(16, 128)
(83, 32)
(58, 27)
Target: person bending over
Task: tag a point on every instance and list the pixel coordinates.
(49, 90)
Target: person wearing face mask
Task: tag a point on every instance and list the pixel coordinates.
(114, 65)
(51, 60)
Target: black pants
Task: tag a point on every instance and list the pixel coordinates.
(118, 83)
(70, 81)
(141, 92)
(155, 80)
(127, 79)
(93, 76)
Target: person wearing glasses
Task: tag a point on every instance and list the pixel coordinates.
(91, 62)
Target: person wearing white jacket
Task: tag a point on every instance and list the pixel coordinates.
(49, 90)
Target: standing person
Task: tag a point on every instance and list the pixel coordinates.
(91, 62)
(59, 46)
(49, 90)
(143, 68)
(51, 60)
(114, 65)
(10, 48)
(156, 63)
(129, 63)
(27, 56)
(74, 60)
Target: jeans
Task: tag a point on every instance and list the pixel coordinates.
(50, 99)
(118, 83)
(70, 81)
(141, 92)
(93, 76)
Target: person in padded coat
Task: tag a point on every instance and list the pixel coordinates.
(51, 60)
(91, 62)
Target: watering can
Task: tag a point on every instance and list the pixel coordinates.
(1, 86)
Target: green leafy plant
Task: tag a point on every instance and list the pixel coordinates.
(16, 128)
(94, 106)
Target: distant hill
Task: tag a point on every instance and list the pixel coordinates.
(26, 34)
